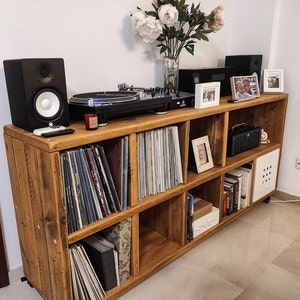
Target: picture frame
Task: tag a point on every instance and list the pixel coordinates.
(245, 87)
(202, 154)
(207, 94)
(273, 80)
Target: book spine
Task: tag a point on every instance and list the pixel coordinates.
(190, 213)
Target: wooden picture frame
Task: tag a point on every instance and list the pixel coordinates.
(202, 154)
(273, 80)
(244, 87)
(207, 94)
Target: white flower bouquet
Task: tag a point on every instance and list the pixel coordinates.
(174, 26)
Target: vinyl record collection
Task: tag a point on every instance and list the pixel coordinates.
(90, 191)
(159, 161)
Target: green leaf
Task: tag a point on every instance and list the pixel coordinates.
(163, 48)
(189, 48)
(152, 13)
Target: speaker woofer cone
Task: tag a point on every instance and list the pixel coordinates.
(47, 104)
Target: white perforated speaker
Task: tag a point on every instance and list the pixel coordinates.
(265, 174)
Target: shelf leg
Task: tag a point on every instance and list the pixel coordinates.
(25, 279)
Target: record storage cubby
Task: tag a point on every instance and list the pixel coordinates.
(158, 222)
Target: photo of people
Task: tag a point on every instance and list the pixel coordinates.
(208, 95)
(245, 87)
(240, 90)
(202, 153)
(273, 80)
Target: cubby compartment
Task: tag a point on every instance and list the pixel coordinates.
(213, 126)
(206, 210)
(265, 115)
(209, 191)
(108, 252)
(161, 232)
(160, 156)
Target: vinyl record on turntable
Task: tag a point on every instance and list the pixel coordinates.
(105, 98)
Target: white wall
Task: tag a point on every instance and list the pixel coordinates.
(95, 39)
(285, 55)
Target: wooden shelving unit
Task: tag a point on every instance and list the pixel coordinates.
(159, 230)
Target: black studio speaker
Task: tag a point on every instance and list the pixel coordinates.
(189, 77)
(245, 64)
(37, 93)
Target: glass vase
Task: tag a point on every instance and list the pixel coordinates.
(171, 72)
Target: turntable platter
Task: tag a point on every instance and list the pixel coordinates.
(104, 98)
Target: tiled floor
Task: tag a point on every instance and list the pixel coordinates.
(255, 257)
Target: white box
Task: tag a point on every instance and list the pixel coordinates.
(206, 222)
(265, 174)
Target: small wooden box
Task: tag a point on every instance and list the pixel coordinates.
(201, 208)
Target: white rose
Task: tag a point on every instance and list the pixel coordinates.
(149, 29)
(218, 21)
(136, 18)
(168, 15)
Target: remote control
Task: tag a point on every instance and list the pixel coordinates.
(240, 100)
(54, 128)
(56, 133)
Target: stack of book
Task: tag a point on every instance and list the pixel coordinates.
(202, 215)
(237, 189)
(90, 193)
(159, 161)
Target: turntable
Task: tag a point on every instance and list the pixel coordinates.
(127, 101)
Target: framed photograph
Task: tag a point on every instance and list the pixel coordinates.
(244, 87)
(273, 80)
(207, 94)
(202, 154)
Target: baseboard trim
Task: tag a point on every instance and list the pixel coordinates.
(285, 196)
(15, 274)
